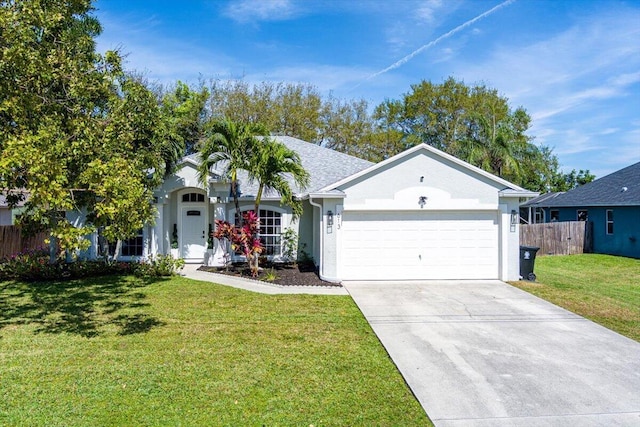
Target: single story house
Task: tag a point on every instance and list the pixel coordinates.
(533, 212)
(7, 214)
(419, 215)
(611, 203)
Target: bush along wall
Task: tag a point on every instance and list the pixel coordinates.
(34, 265)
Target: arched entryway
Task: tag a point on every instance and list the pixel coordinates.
(193, 225)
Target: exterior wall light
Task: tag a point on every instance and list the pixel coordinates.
(422, 200)
(329, 218)
(514, 217)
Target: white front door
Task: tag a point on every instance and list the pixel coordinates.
(194, 233)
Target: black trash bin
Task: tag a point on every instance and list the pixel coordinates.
(527, 262)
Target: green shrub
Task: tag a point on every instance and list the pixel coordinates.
(34, 265)
(158, 266)
(290, 245)
(269, 275)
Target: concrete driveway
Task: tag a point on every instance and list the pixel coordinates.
(483, 353)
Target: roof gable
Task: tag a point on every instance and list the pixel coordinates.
(473, 170)
(620, 188)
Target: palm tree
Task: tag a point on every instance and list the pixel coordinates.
(493, 143)
(234, 143)
(271, 164)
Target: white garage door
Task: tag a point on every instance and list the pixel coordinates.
(418, 245)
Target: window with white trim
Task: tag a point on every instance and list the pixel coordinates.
(555, 215)
(130, 247)
(270, 231)
(133, 246)
(609, 221)
(193, 197)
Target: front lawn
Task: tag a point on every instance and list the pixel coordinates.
(603, 288)
(122, 351)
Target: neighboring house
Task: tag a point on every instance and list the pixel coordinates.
(7, 215)
(419, 215)
(611, 203)
(532, 212)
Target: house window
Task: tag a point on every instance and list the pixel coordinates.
(582, 215)
(539, 216)
(270, 231)
(130, 247)
(193, 197)
(555, 215)
(133, 246)
(609, 221)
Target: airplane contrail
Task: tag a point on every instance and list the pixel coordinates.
(436, 41)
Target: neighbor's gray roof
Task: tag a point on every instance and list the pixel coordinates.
(541, 200)
(325, 166)
(621, 188)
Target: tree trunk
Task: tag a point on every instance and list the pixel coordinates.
(53, 249)
(236, 202)
(116, 252)
(256, 208)
(53, 242)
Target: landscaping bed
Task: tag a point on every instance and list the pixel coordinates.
(300, 274)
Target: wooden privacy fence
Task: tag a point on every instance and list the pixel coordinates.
(12, 241)
(558, 238)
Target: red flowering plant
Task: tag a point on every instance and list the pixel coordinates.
(243, 239)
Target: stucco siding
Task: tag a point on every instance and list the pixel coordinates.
(399, 186)
(305, 231)
(510, 236)
(187, 176)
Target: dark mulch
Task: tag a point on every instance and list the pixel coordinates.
(302, 274)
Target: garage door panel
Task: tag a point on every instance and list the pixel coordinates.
(419, 246)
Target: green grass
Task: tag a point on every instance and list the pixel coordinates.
(122, 351)
(603, 288)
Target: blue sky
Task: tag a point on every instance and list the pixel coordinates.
(574, 65)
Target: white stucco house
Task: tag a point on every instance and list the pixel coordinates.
(420, 215)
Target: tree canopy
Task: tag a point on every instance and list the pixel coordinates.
(472, 122)
(234, 143)
(270, 165)
(77, 133)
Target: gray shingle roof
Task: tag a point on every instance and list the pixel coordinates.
(325, 166)
(621, 188)
(541, 200)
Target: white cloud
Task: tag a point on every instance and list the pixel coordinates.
(327, 78)
(261, 10)
(426, 12)
(609, 131)
(592, 50)
(161, 59)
